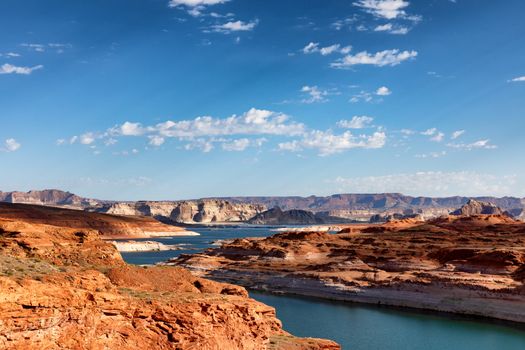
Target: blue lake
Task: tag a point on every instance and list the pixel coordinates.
(354, 326)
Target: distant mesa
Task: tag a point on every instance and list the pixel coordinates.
(474, 207)
(334, 209)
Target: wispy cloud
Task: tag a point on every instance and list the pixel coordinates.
(327, 143)
(357, 122)
(314, 47)
(435, 134)
(235, 26)
(392, 29)
(380, 59)
(315, 94)
(430, 183)
(522, 78)
(481, 144)
(457, 134)
(11, 69)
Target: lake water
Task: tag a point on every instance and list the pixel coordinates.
(354, 326)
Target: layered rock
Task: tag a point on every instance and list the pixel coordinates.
(474, 207)
(333, 209)
(188, 212)
(108, 226)
(463, 264)
(65, 288)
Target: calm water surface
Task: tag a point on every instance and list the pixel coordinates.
(354, 326)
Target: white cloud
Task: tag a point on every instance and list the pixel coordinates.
(131, 129)
(311, 48)
(429, 132)
(10, 69)
(12, 54)
(380, 59)
(432, 155)
(87, 138)
(436, 135)
(193, 3)
(195, 7)
(235, 26)
(481, 144)
(466, 183)
(156, 140)
(389, 9)
(457, 134)
(392, 29)
(383, 91)
(11, 145)
(329, 49)
(236, 145)
(362, 96)
(326, 143)
(518, 79)
(315, 95)
(201, 132)
(357, 122)
(325, 51)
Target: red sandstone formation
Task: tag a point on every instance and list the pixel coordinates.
(472, 265)
(109, 226)
(65, 288)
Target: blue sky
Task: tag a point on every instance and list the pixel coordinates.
(160, 99)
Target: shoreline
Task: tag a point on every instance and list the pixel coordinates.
(470, 303)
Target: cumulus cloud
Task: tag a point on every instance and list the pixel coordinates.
(327, 143)
(313, 47)
(235, 26)
(10, 69)
(380, 59)
(315, 95)
(195, 7)
(383, 91)
(357, 122)
(466, 183)
(11, 145)
(389, 9)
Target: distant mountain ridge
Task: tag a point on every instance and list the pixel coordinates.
(219, 209)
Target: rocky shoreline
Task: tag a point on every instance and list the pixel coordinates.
(66, 288)
(464, 265)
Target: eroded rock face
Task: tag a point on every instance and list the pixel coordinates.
(188, 212)
(109, 226)
(474, 207)
(464, 264)
(276, 216)
(64, 288)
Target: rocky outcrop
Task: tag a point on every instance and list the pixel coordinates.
(48, 197)
(464, 264)
(65, 288)
(474, 207)
(276, 216)
(332, 209)
(108, 226)
(188, 212)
